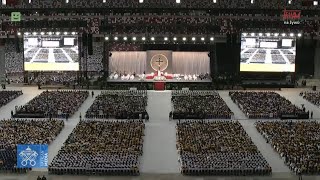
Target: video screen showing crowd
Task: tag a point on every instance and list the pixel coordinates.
(51, 52)
(267, 53)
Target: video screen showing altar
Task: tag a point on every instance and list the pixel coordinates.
(160, 65)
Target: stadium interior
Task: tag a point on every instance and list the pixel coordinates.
(159, 89)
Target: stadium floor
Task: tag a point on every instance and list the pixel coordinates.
(160, 158)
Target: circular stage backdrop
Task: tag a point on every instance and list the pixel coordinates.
(159, 62)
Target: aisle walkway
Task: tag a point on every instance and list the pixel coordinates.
(159, 148)
(266, 150)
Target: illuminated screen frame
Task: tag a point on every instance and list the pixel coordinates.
(254, 58)
(45, 59)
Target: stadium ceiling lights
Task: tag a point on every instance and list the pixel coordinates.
(165, 38)
(106, 38)
(19, 33)
(73, 33)
(244, 34)
(212, 39)
(260, 34)
(276, 34)
(143, 38)
(202, 39)
(57, 33)
(193, 39)
(116, 38)
(283, 34)
(184, 39)
(174, 38)
(291, 34)
(134, 38)
(34, 33)
(125, 38)
(299, 34)
(50, 33)
(253, 34)
(268, 34)
(65, 33)
(152, 39)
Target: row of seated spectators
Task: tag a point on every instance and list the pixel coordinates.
(7, 96)
(24, 131)
(101, 148)
(121, 104)
(264, 105)
(296, 142)
(313, 97)
(53, 104)
(56, 78)
(242, 4)
(218, 148)
(198, 105)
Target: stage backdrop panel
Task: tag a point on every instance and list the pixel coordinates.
(191, 63)
(128, 61)
(159, 60)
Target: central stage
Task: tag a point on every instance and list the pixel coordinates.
(137, 80)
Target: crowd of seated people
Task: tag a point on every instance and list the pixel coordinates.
(264, 104)
(56, 78)
(198, 105)
(13, 59)
(218, 148)
(53, 104)
(94, 61)
(313, 97)
(25, 131)
(7, 96)
(101, 148)
(121, 104)
(296, 142)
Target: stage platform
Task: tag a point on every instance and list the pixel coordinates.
(137, 80)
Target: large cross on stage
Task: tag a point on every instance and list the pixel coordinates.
(159, 61)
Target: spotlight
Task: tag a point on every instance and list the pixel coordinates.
(19, 33)
(106, 38)
(152, 38)
(291, 34)
(73, 33)
(276, 34)
(174, 38)
(116, 38)
(260, 34)
(244, 34)
(65, 33)
(211, 39)
(42, 33)
(184, 38)
(34, 33)
(283, 34)
(125, 38)
(193, 39)
(299, 35)
(143, 38)
(202, 39)
(57, 33)
(252, 34)
(165, 38)
(50, 33)
(268, 34)
(134, 38)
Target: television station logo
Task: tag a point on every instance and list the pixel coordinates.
(291, 17)
(32, 156)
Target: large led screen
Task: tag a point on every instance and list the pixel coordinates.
(267, 53)
(51, 53)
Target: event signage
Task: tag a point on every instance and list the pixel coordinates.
(32, 156)
(291, 16)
